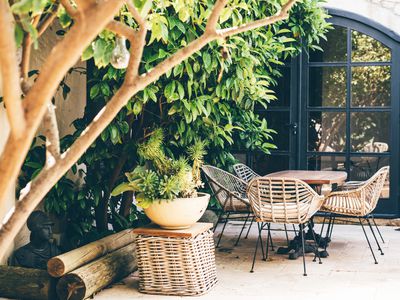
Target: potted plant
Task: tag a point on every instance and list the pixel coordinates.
(166, 188)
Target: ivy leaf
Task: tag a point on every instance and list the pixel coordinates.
(137, 108)
(207, 60)
(114, 134)
(225, 15)
(63, 17)
(181, 90)
(94, 91)
(88, 53)
(19, 35)
(169, 90)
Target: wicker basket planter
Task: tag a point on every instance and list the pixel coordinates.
(183, 266)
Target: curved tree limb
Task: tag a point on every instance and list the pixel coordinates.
(52, 135)
(10, 72)
(282, 14)
(60, 60)
(40, 186)
(72, 11)
(27, 45)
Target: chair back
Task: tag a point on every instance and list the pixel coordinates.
(244, 172)
(229, 190)
(282, 200)
(372, 188)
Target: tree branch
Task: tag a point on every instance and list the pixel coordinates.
(136, 15)
(62, 57)
(10, 72)
(279, 16)
(72, 11)
(41, 93)
(26, 52)
(216, 12)
(48, 19)
(137, 47)
(84, 5)
(52, 135)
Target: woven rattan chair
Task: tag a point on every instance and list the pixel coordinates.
(244, 172)
(359, 202)
(284, 201)
(247, 174)
(230, 191)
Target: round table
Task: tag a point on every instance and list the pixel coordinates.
(322, 181)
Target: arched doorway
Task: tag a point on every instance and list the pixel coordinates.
(339, 109)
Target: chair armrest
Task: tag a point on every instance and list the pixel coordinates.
(351, 185)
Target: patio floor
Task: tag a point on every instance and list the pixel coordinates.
(349, 271)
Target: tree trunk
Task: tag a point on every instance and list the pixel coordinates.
(24, 283)
(87, 280)
(101, 211)
(126, 204)
(64, 263)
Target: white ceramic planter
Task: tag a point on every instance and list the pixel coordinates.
(179, 213)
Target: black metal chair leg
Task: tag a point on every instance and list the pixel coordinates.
(261, 241)
(329, 230)
(223, 229)
(303, 248)
(287, 236)
(268, 240)
(241, 231)
(377, 229)
(270, 237)
(373, 233)
(248, 230)
(316, 248)
(322, 227)
(369, 244)
(294, 229)
(219, 219)
(255, 251)
(333, 223)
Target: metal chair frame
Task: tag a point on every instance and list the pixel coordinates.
(227, 197)
(285, 201)
(357, 200)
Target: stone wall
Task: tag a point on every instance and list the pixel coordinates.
(383, 12)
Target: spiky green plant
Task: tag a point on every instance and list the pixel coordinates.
(161, 177)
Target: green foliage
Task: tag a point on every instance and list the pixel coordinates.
(210, 97)
(162, 177)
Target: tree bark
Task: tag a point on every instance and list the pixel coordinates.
(24, 283)
(9, 72)
(67, 262)
(87, 280)
(86, 27)
(126, 204)
(101, 211)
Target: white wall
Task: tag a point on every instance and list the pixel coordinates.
(384, 12)
(66, 110)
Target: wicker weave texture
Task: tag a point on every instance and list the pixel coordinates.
(283, 200)
(359, 201)
(229, 190)
(176, 266)
(244, 172)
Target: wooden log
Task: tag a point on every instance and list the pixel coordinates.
(24, 283)
(67, 262)
(91, 278)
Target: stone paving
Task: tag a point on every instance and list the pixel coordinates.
(348, 273)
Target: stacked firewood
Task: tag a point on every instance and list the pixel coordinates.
(74, 275)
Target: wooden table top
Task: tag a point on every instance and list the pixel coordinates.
(155, 230)
(313, 177)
